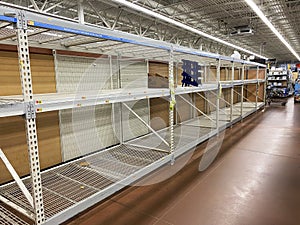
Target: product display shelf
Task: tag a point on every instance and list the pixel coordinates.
(66, 190)
(13, 105)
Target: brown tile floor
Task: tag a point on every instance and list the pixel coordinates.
(255, 180)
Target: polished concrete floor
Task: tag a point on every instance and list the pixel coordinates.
(254, 180)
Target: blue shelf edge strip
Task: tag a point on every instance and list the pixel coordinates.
(8, 19)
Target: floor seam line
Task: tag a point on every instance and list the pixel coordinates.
(265, 153)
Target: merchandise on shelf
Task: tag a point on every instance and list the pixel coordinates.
(281, 81)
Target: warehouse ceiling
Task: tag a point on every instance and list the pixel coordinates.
(230, 20)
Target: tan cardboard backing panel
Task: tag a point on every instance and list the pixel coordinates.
(42, 68)
(211, 98)
(226, 95)
(261, 92)
(183, 109)
(261, 73)
(13, 143)
(159, 74)
(236, 94)
(200, 102)
(250, 92)
(237, 74)
(159, 113)
(159, 68)
(251, 74)
(225, 74)
(159, 108)
(212, 74)
(12, 129)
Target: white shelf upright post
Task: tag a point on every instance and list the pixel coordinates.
(265, 86)
(30, 117)
(218, 95)
(119, 85)
(242, 89)
(172, 104)
(232, 92)
(176, 84)
(257, 88)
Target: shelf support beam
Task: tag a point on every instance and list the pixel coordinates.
(242, 88)
(218, 95)
(232, 93)
(30, 117)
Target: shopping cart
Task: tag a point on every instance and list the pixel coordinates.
(277, 95)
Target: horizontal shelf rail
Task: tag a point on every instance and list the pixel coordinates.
(14, 105)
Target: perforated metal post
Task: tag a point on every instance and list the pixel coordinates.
(119, 85)
(242, 89)
(172, 102)
(265, 86)
(232, 93)
(30, 117)
(218, 95)
(177, 80)
(148, 100)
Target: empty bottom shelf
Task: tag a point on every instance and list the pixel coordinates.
(73, 187)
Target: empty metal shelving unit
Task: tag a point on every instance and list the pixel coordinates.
(230, 90)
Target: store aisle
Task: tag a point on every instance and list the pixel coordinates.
(254, 181)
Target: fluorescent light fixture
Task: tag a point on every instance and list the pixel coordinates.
(273, 29)
(51, 34)
(181, 25)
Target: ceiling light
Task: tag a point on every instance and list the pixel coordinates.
(273, 29)
(52, 34)
(181, 25)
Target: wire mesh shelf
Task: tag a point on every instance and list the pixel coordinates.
(9, 218)
(76, 181)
